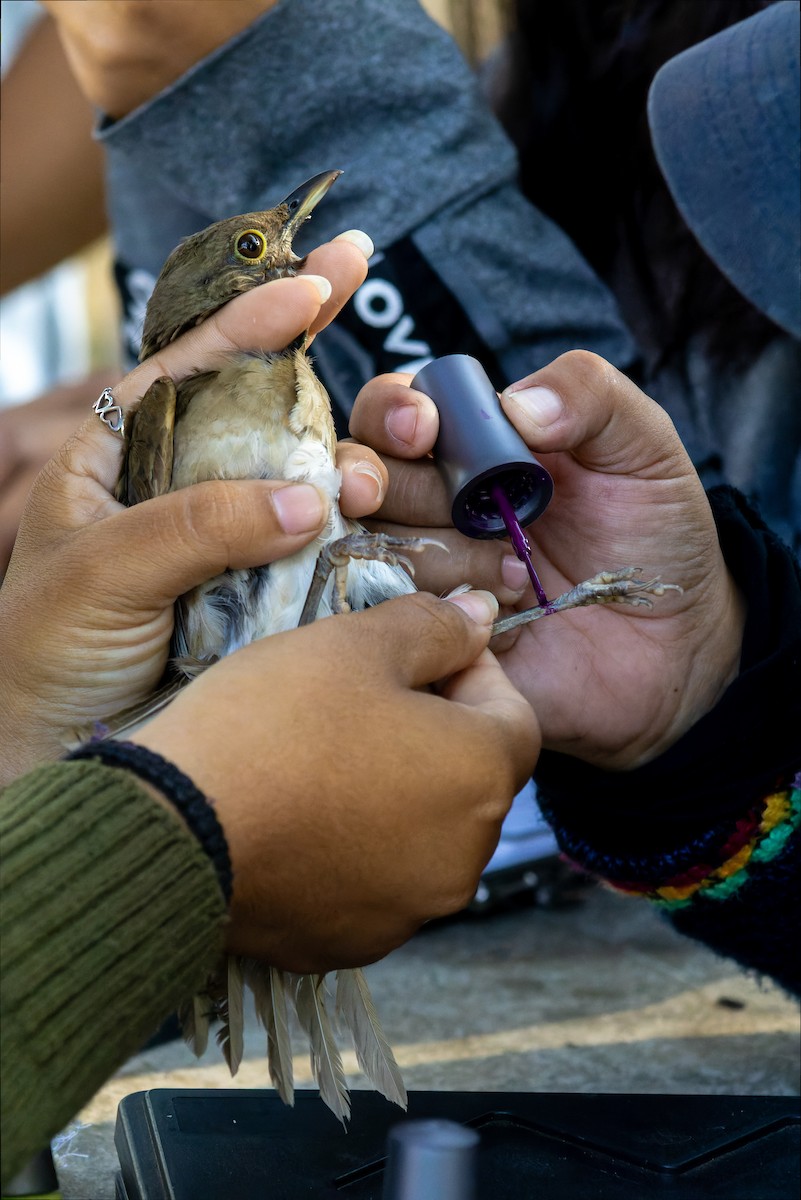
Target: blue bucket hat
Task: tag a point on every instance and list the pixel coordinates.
(726, 131)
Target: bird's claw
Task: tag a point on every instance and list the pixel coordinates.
(607, 587)
(375, 547)
(619, 587)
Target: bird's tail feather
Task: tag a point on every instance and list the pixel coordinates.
(196, 1017)
(270, 995)
(230, 1009)
(326, 1062)
(355, 1007)
(123, 724)
(276, 994)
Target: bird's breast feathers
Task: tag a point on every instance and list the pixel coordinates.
(259, 417)
(264, 417)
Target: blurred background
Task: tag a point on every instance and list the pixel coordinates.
(64, 324)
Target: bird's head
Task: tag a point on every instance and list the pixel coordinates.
(211, 267)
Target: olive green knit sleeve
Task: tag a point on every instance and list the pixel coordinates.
(110, 915)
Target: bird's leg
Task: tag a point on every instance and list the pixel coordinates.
(377, 547)
(608, 587)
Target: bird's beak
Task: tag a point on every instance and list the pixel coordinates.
(303, 201)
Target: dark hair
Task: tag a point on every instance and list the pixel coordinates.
(573, 99)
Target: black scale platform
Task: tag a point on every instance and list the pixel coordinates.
(246, 1145)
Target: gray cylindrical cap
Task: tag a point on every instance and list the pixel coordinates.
(431, 1160)
(478, 448)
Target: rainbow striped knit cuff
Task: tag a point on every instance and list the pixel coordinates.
(757, 838)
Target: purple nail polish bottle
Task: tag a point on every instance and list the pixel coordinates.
(495, 483)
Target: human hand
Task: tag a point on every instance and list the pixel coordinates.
(125, 51)
(30, 434)
(86, 606)
(357, 802)
(612, 685)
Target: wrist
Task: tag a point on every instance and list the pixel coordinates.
(175, 790)
(711, 667)
(25, 740)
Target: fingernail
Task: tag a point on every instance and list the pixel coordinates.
(359, 239)
(539, 404)
(321, 283)
(481, 607)
(514, 573)
(401, 423)
(363, 467)
(299, 508)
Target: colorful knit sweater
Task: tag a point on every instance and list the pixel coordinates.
(709, 832)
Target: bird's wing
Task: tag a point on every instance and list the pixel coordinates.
(147, 466)
(147, 472)
(130, 719)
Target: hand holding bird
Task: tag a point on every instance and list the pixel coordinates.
(264, 416)
(260, 416)
(115, 570)
(119, 571)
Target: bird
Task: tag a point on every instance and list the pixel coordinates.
(266, 415)
(261, 415)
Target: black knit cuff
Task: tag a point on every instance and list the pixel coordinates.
(176, 787)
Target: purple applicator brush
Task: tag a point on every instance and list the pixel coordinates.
(495, 483)
(520, 543)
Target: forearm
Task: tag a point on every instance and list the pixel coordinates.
(52, 170)
(111, 915)
(710, 830)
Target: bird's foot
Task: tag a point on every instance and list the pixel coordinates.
(375, 547)
(608, 587)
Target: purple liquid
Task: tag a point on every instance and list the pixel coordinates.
(519, 541)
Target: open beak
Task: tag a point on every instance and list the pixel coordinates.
(303, 201)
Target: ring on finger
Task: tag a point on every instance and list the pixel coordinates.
(109, 412)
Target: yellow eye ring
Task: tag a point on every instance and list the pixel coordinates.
(250, 245)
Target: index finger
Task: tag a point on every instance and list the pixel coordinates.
(485, 687)
(394, 419)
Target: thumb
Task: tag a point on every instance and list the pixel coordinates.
(581, 403)
(417, 640)
(177, 541)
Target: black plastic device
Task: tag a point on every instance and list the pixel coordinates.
(204, 1144)
(479, 450)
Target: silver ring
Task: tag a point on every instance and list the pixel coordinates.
(110, 413)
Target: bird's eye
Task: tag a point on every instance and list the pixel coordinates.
(250, 245)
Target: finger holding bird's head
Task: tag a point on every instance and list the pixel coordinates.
(265, 318)
(226, 259)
